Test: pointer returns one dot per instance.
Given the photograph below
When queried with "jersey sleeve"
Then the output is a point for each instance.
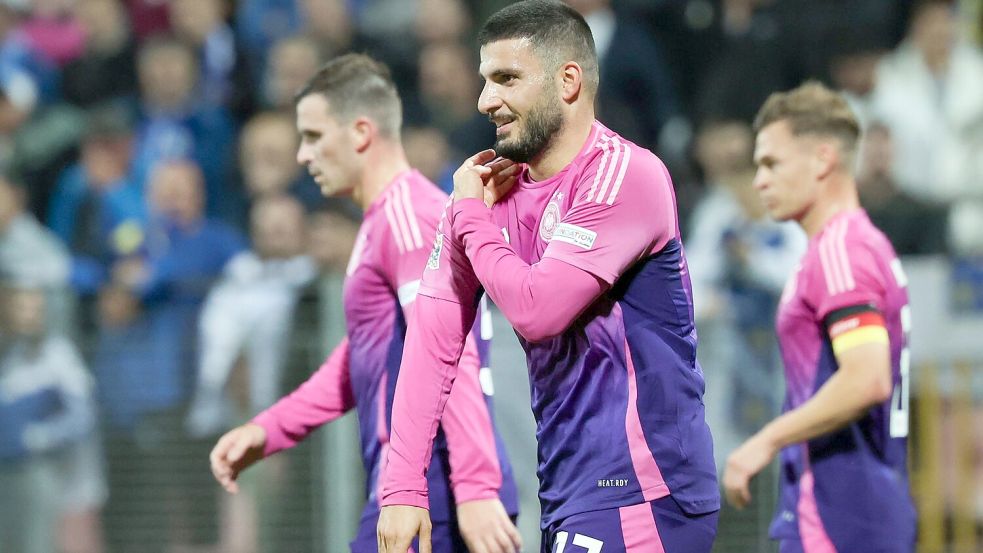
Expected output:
(527, 294)
(448, 274)
(623, 210)
(324, 397)
(442, 316)
(475, 470)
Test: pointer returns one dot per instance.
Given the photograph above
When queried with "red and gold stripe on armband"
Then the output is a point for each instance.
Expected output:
(866, 327)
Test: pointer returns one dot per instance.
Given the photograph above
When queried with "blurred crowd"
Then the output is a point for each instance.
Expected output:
(158, 241)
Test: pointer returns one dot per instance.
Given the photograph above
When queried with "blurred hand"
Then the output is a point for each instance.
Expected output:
(487, 528)
(399, 524)
(117, 306)
(483, 177)
(236, 451)
(745, 462)
(131, 272)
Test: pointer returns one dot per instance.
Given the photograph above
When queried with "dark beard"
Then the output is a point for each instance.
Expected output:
(544, 121)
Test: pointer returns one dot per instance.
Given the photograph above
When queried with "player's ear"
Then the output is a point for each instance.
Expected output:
(827, 157)
(571, 81)
(363, 131)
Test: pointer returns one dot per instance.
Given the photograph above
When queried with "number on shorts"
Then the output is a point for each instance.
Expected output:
(592, 545)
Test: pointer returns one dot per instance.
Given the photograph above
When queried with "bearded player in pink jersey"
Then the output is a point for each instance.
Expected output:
(349, 117)
(581, 252)
(842, 324)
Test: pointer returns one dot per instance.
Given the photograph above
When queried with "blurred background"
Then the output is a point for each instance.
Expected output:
(168, 270)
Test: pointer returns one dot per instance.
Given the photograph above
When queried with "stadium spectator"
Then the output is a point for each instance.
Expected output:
(448, 86)
(268, 167)
(28, 251)
(248, 313)
(329, 24)
(914, 227)
(292, 60)
(331, 232)
(927, 94)
(53, 29)
(636, 100)
(176, 124)
(224, 80)
(46, 405)
(144, 364)
(106, 70)
(97, 209)
(428, 149)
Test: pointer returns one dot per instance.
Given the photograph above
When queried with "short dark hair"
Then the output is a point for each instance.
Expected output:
(356, 85)
(558, 34)
(813, 109)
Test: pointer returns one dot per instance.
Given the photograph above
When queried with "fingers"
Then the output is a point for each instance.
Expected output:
(506, 537)
(737, 490)
(482, 157)
(502, 173)
(424, 543)
(398, 525)
(513, 535)
(739, 497)
(487, 528)
(238, 449)
(221, 468)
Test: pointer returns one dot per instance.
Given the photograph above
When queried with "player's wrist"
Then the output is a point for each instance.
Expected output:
(406, 499)
(770, 437)
(466, 493)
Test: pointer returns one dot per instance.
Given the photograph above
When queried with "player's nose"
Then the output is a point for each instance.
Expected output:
(760, 181)
(489, 101)
(303, 155)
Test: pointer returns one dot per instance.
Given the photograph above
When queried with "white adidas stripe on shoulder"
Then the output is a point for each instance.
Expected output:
(834, 259)
(410, 213)
(393, 226)
(402, 219)
(605, 148)
(611, 171)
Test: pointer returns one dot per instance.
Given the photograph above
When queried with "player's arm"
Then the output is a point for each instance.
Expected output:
(324, 397)
(442, 316)
(861, 381)
(602, 235)
(475, 473)
(539, 300)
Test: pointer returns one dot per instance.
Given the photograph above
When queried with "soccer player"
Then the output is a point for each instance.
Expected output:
(349, 118)
(843, 327)
(583, 256)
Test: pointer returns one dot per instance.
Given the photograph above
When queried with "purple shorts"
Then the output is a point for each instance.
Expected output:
(659, 526)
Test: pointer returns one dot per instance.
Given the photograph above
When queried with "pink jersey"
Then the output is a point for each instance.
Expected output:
(380, 287)
(589, 268)
(846, 491)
